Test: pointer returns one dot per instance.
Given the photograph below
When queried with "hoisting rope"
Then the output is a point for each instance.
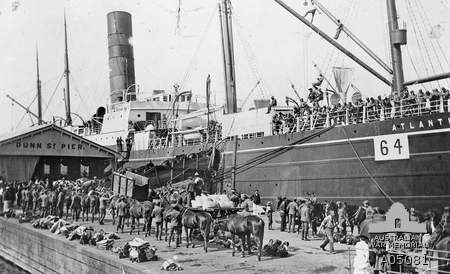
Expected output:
(386, 196)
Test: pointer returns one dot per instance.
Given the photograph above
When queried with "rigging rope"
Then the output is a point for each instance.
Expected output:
(25, 114)
(53, 94)
(427, 21)
(366, 169)
(251, 58)
(421, 37)
(414, 66)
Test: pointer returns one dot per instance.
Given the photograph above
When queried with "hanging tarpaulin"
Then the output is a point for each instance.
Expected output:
(342, 77)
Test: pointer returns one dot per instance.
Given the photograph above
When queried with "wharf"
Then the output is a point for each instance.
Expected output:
(39, 251)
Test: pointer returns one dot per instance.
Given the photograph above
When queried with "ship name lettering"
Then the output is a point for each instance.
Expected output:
(421, 124)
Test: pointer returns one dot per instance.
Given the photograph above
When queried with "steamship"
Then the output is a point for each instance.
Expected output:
(399, 154)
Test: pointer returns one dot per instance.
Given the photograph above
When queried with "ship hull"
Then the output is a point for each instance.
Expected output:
(340, 164)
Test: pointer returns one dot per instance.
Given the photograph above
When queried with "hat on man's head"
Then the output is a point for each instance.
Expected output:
(196, 174)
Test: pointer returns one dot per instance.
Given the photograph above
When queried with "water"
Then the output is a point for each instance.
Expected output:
(10, 268)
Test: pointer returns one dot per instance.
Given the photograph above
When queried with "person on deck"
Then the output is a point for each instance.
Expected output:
(273, 103)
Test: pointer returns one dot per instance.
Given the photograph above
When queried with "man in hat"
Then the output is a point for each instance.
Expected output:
(369, 210)
(157, 215)
(328, 224)
(121, 210)
(283, 209)
(305, 218)
(60, 202)
(269, 214)
(292, 210)
(45, 202)
(273, 103)
(413, 215)
(102, 207)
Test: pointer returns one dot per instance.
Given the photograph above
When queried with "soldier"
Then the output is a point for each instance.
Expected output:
(305, 218)
(269, 213)
(102, 207)
(157, 215)
(328, 225)
(35, 199)
(76, 205)
(121, 210)
(44, 198)
(68, 203)
(292, 209)
(60, 203)
(283, 207)
(199, 184)
(256, 198)
(24, 196)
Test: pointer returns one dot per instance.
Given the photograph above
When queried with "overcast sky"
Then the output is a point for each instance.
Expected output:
(269, 44)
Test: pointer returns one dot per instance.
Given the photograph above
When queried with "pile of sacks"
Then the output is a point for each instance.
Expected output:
(137, 250)
(212, 201)
(276, 249)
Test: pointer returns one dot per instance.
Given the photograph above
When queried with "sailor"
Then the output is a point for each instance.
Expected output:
(273, 103)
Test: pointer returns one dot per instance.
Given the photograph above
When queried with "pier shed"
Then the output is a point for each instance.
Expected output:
(49, 151)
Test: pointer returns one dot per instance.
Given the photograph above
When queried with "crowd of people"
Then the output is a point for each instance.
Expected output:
(409, 104)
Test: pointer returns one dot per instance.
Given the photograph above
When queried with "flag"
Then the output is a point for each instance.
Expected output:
(342, 77)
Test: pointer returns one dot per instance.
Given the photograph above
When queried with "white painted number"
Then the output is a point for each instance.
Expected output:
(391, 147)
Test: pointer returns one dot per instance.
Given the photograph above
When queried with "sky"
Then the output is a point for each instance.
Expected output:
(270, 45)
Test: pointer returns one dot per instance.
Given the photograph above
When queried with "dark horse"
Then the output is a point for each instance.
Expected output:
(244, 226)
(136, 212)
(148, 209)
(196, 220)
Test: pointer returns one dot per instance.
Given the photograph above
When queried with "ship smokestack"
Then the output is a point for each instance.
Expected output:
(121, 57)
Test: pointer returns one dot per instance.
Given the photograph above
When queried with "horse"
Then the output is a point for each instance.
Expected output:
(148, 209)
(136, 210)
(244, 226)
(85, 206)
(94, 203)
(200, 220)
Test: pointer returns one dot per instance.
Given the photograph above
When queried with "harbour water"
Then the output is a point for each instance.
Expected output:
(10, 268)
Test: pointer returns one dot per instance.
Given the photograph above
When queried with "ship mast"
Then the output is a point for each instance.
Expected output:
(397, 38)
(228, 56)
(66, 74)
(39, 94)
